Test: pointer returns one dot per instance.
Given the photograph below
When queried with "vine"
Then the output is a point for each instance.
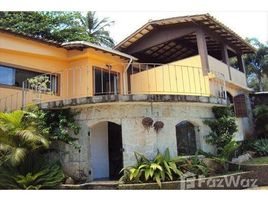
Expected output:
(56, 125)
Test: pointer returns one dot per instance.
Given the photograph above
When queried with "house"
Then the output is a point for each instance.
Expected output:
(169, 73)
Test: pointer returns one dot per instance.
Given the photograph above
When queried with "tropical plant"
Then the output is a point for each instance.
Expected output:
(257, 64)
(60, 26)
(194, 165)
(260, 146)
(225, 155)
(222, 128)
(18, 137)
(261, 120)
(161, 168)
(38, 174)
(97, 29)
(57, 125)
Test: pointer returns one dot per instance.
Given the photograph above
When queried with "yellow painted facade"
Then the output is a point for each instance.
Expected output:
(76, 78)
(74, 67)
(184, 77)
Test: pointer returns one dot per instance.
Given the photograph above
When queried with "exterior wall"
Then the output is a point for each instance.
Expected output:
(245, 124)
(19, 44)
(75, 68)
(180, 77)
(237, 77)
(11, 98)
(134, 136)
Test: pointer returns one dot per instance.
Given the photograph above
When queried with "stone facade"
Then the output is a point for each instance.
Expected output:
(134, 136)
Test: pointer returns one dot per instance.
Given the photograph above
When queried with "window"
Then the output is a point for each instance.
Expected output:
(7, 75)
(14, 77)
(105, 81)
(186, 141)
(240, 106)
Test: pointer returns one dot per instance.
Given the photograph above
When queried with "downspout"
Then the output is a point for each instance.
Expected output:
(125, 76)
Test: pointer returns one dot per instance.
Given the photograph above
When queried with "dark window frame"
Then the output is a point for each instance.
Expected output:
(117, 74)
(20, 85)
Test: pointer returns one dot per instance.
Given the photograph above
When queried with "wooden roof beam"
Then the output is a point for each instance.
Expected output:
(162, 35)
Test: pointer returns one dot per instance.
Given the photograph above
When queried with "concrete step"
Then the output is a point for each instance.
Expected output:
(94, 185)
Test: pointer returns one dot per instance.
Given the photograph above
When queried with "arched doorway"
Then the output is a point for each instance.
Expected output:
(186, 138)
(106, 155)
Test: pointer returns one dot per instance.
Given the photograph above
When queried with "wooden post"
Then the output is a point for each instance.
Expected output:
(225, 58)
(241, 63)
(202, 50)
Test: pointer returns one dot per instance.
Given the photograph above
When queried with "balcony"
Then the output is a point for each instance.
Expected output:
(182, 78)
(237, 77)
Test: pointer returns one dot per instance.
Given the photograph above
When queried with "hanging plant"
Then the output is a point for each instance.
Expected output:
(158, 125)
(147, 122)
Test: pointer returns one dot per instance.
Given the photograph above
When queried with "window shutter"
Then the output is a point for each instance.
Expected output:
(240, 106)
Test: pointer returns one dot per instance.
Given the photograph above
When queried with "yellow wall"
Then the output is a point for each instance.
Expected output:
(74, 67)
(218, 66)
(183, 77)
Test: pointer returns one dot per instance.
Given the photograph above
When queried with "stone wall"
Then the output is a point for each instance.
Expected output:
(134, 136)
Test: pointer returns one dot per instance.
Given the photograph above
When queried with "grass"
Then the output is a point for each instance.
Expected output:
(260, 160)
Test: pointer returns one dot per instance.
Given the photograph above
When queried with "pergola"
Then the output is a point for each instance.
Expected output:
(167, 40)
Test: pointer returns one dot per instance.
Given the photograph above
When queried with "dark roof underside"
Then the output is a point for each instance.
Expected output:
(185, 46)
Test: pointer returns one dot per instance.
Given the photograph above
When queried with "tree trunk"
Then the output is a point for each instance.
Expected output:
(260, 84)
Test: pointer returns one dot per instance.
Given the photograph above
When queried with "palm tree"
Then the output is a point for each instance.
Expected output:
(96, 29)
(18, 137)
(257, 64)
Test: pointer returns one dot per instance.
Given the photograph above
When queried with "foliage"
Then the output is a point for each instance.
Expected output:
(257, 64)
(59, 26)
(24, 138)
(225, 155)
(38, 174)
(97, 29)
(39, 83)
(261, 120)
(260, 160)
(260, 146)
(161, 168)
(18, 137)
(57, 125)
(222, 128)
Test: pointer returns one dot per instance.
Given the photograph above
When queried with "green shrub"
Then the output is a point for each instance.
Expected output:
(222, 128)
(40, 174)
(55, 124)
(225, 155)
(223, 111)
(260, 146)
(24, 138)
(162, 168)
(261, 121)
(18, 137)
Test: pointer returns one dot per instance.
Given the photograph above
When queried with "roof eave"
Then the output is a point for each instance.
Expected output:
(90, 45)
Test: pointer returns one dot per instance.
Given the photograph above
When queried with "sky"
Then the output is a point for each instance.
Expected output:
(245, 23)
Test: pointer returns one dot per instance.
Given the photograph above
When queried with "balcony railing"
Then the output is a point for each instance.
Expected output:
(237, 77)
(138, 78)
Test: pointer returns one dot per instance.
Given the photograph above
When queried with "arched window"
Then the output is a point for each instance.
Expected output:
(186, 139)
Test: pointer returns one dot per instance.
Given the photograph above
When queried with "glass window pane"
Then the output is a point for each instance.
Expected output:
(7, 75)
(22, 75)
(98, 81)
